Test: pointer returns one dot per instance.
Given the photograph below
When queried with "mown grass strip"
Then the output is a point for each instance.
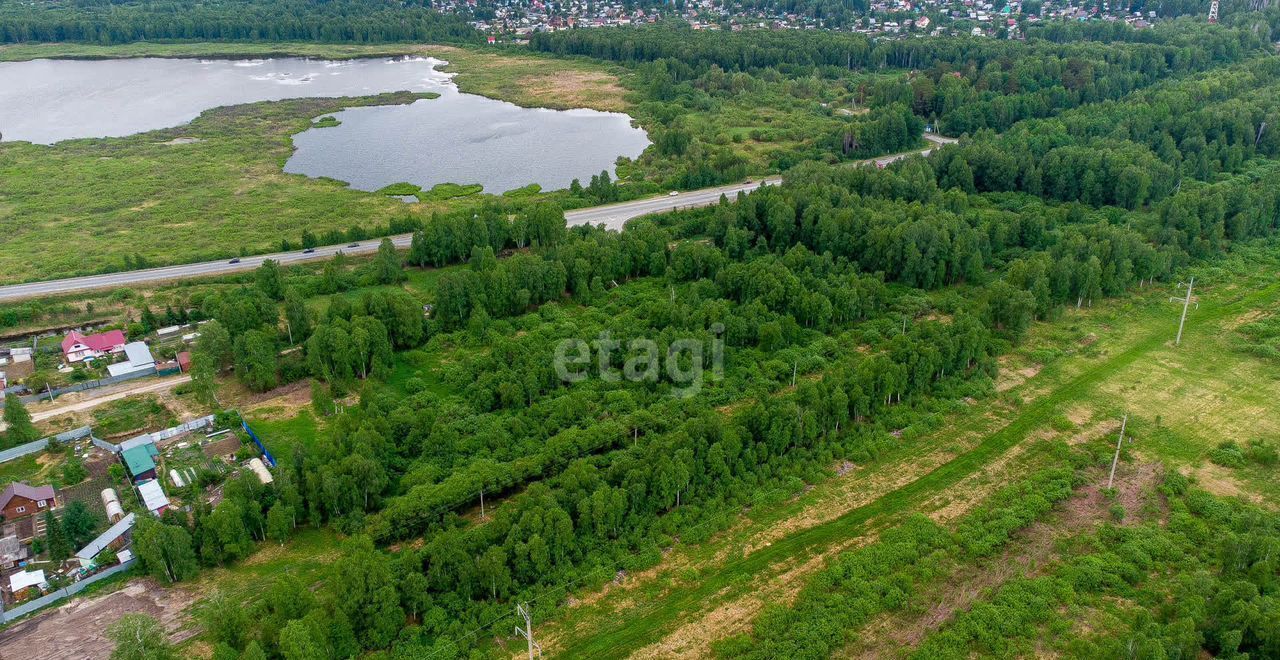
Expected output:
(639, 626)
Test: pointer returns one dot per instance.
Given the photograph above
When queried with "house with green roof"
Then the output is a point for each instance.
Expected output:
(140, 461)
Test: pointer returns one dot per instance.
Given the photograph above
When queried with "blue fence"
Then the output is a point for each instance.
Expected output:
(271, 460)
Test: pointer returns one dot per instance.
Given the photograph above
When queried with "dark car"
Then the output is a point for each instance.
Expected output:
(354, 245)
(234, 261)
(308, 250)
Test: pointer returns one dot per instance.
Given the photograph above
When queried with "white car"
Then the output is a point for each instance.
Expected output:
(673, 193)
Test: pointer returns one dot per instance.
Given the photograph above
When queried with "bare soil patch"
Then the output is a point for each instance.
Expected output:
(1009, 377)
(78, 628)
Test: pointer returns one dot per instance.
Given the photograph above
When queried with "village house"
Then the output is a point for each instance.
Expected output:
(19, 500)
(140, 461)
(77, 347)
(137, 358)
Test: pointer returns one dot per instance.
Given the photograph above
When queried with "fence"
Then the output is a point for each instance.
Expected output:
(271, 460)
(148, 438)
(35, 446)
(55, 596)
(86, 385)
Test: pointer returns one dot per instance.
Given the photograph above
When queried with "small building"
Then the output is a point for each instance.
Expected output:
(260, 469)
(112, 538)
(77, 347)
(137, 358)
(19, 500)
(140, 461)
(184, 361)
(111, 503)
(153, 497)
(24, 580)
(12, 552)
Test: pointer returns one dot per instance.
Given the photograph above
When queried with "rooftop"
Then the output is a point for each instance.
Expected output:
(153, 495)
(20, 489)
(102, 341)
(138, 459)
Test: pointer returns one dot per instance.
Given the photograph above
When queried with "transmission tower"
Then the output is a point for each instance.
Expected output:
(526, 632)
(1213, 11)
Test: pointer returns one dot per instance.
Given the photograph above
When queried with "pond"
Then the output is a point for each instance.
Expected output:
(456, 138)
(466, 139)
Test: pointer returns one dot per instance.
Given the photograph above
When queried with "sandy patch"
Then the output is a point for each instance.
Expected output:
(1008, 377)
(693, 639)
(1222, 482)
(77, 628)
(1245, 319)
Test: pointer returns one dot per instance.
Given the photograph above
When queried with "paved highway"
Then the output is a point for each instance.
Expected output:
(612, 216)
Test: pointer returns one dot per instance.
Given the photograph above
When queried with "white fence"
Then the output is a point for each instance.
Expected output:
(55, 596)
(35, 446)
(148, 438)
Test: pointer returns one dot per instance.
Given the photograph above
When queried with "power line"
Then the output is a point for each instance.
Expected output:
(1186, 302)
(526, 632)
(569, 585)
(1115, 460)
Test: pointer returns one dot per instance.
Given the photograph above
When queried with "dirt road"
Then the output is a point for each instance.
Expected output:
(113, 394)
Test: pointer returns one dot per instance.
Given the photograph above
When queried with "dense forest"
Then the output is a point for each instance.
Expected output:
(802, 325)
(848, 302)
(103, 22)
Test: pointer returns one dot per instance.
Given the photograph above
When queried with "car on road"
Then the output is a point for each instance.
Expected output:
(673, 193)
(353, 245)
(308, 250)
(234, 261)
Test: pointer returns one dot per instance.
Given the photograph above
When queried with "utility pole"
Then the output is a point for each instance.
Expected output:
(1186, 302)
(522, 610)
(1115, 460)
(482, 504)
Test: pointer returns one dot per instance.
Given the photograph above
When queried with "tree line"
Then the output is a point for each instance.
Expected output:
(104, 22)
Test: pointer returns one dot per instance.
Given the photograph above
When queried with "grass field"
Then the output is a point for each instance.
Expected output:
(1072, 379)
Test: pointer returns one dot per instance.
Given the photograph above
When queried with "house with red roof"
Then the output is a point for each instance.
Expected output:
(77, 347)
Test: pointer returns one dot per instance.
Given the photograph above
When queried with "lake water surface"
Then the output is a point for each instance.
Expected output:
(464, 138)
(457, 138)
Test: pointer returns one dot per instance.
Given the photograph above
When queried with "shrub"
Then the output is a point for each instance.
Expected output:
(1228, 454)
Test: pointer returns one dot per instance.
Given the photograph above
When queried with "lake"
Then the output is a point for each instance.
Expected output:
(457, 138)
(464, 138)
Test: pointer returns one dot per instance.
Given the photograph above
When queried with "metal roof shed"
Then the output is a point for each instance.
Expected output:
(153, 496)
(99, 544)
(20, 581)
